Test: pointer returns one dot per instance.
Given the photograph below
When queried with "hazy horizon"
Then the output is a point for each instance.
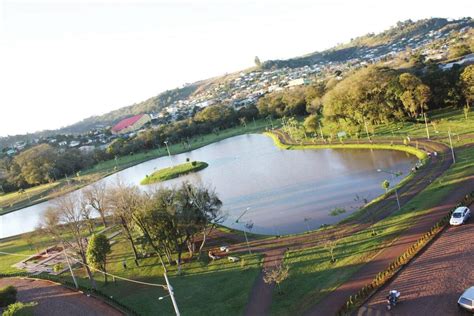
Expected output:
(63, 61)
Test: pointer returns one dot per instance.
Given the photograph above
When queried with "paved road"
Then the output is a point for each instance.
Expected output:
(432, 283)
(56, 300)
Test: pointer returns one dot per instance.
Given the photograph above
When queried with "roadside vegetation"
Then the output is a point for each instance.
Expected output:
(174, 172)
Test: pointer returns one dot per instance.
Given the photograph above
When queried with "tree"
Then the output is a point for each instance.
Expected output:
(330, 245)
(423, 95)
(467, 84)
(36, 165)
(66, 223)
(385, 185)
(257, 61)
(7, 296)
(276, 275)
(210, 206)
(97, 251)
(466, 110)
(123, 202)
(311, 123)
(96, 196)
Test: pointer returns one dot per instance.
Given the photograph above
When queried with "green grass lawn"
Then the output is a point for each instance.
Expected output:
(9, 200)
(205, 287)
(311, 273)
(174, 172)
(439, 123)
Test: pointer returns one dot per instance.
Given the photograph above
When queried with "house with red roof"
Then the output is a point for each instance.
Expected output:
(131, 124)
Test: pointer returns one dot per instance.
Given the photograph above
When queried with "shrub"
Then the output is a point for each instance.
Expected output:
(7, 296)
(19, 309)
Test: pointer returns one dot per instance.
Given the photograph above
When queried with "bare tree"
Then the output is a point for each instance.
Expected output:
(276, 275)
(123, 202)
(96, 196)
(330, 245)
(65, 221)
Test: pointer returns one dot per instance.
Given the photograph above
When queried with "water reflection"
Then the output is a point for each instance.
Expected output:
(281, 187)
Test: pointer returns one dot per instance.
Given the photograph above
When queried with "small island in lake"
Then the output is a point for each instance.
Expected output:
(174, 172)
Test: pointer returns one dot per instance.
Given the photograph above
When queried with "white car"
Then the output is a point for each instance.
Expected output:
(460, 216)
(466, 300)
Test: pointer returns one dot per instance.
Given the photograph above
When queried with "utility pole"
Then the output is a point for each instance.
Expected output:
(426, 126)
(451, 144)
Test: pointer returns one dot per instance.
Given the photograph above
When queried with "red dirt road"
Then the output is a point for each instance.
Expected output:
(432, 283)
(56, 300)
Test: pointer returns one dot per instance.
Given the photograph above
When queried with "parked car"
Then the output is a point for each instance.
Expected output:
(466, 300)
(460, 216)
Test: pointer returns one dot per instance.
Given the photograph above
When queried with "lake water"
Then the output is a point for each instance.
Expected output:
(281, 188)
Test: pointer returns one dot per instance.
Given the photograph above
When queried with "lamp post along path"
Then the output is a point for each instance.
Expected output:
(393, 174)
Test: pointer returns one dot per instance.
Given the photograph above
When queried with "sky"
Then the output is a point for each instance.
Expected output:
(62, 61)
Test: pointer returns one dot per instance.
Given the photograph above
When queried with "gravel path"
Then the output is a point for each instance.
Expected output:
(56, 300)
(432, 283)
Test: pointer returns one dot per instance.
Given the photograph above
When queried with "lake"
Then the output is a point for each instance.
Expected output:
(285, 191)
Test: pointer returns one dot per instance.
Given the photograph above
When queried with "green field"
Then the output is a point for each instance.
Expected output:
(174, 172)
(204, 287)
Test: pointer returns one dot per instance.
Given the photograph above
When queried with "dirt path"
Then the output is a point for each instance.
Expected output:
(274, 249)
(56, 300)
(432, 283)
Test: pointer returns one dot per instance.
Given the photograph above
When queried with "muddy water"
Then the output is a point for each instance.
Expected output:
(280, 188)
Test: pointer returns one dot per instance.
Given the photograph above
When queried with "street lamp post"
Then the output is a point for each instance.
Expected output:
(167, 148)
(169, 288)
(306, 220)
(394, 174)
(248, 225)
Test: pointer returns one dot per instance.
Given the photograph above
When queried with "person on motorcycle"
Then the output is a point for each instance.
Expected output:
(393, 296)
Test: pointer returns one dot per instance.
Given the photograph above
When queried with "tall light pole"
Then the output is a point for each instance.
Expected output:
(306, 220)
(426, 126)
(451, 144)
(394, 174)
(167, 148)
(169, 288)
(248, 225)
